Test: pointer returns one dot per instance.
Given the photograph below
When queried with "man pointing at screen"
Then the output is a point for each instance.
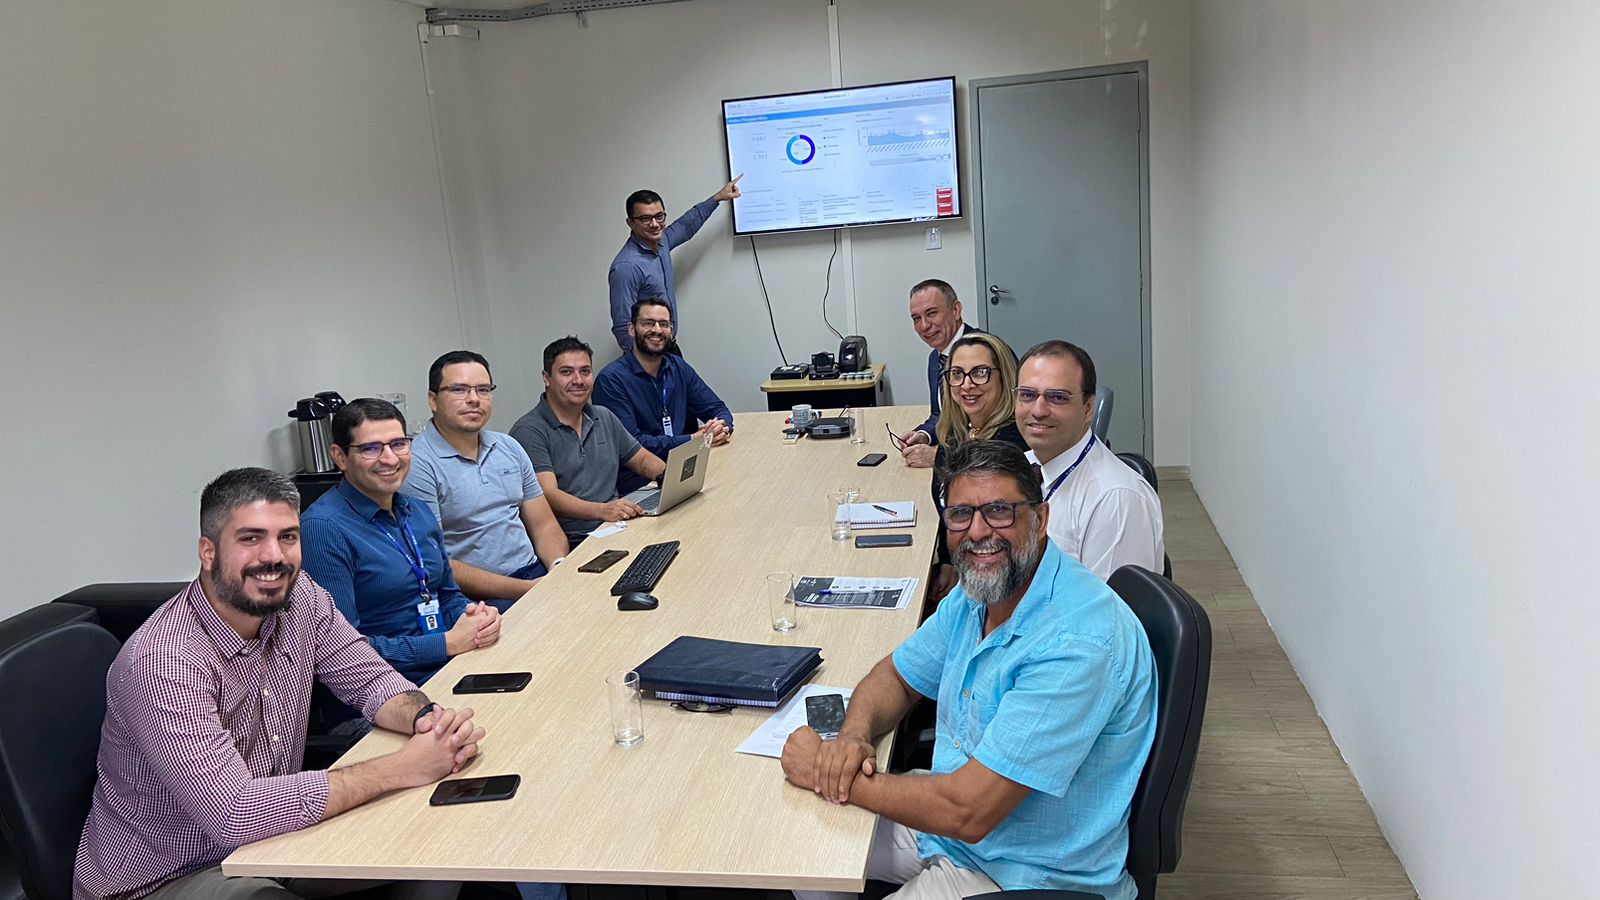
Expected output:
(643, 267)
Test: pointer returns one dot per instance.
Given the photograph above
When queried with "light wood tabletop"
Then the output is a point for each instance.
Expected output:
(681, 807)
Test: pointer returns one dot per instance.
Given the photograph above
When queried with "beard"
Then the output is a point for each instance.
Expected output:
(232, 591)
(644, 349)
(992, 587)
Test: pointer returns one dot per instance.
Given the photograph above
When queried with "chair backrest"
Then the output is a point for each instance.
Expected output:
(123, 606)
(1180, 639)
(1105, 400)
(1141, 465)
(54, 682)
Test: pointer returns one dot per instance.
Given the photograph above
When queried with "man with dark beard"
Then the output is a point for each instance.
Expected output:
(660, 399)
(206, 716)
(1047, 702)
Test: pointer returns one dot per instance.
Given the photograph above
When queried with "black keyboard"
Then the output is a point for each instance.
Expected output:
(646, 568)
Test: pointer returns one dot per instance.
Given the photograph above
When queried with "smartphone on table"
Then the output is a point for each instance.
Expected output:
(475, 790)
(825, 714)
(883, 540)
(603, 562)
(493, 683)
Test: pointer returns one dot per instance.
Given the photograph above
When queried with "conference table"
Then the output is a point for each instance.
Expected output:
(680, 807)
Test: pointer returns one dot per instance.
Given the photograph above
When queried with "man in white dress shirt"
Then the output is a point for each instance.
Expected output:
(1102, 513)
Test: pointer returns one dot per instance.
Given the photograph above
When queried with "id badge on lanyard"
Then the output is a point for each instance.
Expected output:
(666, 417)
(428, 614)
(428, 618)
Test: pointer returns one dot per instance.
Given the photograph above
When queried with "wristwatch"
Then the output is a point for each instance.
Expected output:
(430, 707)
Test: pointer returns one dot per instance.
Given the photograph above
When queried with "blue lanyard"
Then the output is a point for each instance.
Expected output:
(418, 570)
(666, 417)
(1062, 478)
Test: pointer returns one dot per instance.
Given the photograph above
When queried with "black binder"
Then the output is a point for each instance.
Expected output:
(697, 668)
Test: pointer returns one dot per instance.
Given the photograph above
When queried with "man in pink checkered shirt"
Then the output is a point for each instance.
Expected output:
(206, 713)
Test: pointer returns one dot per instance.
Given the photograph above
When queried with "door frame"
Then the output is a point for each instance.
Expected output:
(1141, 68)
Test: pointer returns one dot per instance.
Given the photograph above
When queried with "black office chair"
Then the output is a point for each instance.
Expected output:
(45, 785)
(1142, 466)
(1105, 400)
(123, 606)
(13, 631)
(1180, 640)
(1148, 473)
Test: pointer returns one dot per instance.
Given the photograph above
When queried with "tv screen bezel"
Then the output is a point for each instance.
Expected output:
(955, 118)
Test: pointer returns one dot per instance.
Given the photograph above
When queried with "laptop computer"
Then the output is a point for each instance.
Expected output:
(685, 475)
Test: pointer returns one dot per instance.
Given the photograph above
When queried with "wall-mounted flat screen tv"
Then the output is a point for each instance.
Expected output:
(843, 157)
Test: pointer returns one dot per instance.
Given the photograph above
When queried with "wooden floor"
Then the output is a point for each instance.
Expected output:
(1273, 812)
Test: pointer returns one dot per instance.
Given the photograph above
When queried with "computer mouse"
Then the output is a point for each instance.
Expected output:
(637, 600)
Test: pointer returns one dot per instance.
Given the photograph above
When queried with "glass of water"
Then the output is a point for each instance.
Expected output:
(780, 601)
(627, 708)
(858, 426)
(839, 513)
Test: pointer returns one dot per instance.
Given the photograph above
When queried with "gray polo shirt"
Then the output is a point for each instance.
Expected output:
(586, 468)
(478, 502)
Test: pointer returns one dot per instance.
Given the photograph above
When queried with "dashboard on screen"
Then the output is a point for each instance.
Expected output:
(846, 156)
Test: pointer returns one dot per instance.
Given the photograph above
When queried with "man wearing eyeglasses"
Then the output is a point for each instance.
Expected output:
(1102, 513)
(381, 554)
(498, 526)
(643, 267)
(1047, 704)
(660, 399)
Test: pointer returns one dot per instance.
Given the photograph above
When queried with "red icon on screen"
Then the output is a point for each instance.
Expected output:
(945, 201)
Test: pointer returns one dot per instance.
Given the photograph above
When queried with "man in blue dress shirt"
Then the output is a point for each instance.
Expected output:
(381, 554)
(643, 267)
(660, 399)
(936, 316)
(1047, 709)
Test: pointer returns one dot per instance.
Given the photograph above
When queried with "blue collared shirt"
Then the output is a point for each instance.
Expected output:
(1061, 698)
(625, 388)
(346, 548)
(478, 502)
(638, 271)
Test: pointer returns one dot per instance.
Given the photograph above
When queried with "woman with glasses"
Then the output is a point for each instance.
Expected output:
(975, 404)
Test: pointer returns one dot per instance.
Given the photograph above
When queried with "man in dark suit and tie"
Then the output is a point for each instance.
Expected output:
(936, 315)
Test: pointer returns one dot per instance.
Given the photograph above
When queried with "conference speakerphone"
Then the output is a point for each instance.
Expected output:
(830, 428)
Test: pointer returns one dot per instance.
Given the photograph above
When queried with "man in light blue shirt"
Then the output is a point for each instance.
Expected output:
(1047, 706)
(643, 267)
(499, 530)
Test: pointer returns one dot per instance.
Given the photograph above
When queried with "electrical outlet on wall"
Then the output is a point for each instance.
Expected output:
(934, 240)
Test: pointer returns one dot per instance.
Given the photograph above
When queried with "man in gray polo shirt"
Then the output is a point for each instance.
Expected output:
(577, 447)
(499, 530)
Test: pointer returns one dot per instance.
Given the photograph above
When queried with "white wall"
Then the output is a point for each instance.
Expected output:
(577, 117)
(1395, 210)
(207, 210)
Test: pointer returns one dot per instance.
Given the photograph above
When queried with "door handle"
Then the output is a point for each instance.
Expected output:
(995, 291)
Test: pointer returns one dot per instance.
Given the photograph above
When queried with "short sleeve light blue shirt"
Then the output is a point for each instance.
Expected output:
(478, 502)
(1061, 698)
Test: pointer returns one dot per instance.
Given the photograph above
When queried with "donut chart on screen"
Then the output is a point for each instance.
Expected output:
(805, 154)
